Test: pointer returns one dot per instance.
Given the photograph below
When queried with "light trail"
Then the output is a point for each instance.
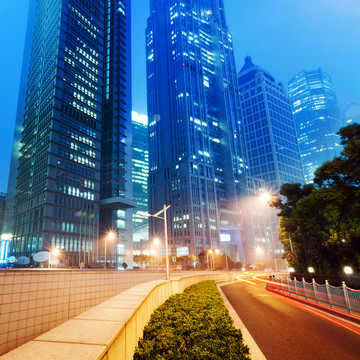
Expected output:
(247, 281)
(332, 318)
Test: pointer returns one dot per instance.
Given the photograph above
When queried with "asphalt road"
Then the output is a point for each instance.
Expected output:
(285, 330)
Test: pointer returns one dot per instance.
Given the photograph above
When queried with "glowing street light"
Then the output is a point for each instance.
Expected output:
(218, 251)
(110, 236)
(348, 270)
(142, 213)
(53, 254)
(266, 197)
(258, 251)
(311, 270)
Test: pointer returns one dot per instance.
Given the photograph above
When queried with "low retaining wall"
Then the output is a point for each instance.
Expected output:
(34, 301)
(111, 329)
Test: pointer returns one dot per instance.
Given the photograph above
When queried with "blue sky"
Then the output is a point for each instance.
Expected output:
(282, 36)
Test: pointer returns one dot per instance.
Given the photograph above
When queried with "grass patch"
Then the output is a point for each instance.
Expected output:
(192, 325)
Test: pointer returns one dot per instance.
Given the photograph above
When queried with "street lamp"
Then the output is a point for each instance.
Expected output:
(348, 270)
(53, 253)
(266, 197)
(218, 251)
(142, 213)
(258, 252)
(211, 255)
(111, 236)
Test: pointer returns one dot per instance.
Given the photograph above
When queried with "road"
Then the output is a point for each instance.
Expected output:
(287, 330)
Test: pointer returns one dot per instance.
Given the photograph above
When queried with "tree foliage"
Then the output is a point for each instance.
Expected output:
(320, 224)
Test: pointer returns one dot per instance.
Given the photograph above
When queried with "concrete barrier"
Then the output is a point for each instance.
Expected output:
(33, 301)
(111, 329)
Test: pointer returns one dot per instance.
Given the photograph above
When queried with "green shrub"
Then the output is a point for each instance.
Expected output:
(192, 325)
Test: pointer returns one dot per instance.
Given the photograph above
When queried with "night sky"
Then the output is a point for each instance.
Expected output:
(282, 36)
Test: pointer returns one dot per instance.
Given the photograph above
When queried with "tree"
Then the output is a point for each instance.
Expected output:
(320, 224)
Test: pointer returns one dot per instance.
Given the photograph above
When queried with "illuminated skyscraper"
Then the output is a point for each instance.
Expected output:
(317, 119)
(140, 166)
(271, 145)
(271, 142)
(74, 164)
(197, 162)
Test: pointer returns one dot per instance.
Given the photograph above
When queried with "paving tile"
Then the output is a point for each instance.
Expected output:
(106, 314)
(83, 332)
(120, 304)
(40, 350)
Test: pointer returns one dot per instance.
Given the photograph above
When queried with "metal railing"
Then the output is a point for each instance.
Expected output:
(341, 298)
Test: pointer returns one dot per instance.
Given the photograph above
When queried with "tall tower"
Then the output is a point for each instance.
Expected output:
(272, 150)
(317, 118)
(196, 156)
(271, 142)
(140, 166)
(73, 173)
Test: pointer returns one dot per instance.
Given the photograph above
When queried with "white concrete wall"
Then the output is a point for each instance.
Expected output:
(35, 301)
(111, 329)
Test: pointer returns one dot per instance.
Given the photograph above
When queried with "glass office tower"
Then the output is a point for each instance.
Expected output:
(317, 118)
(272, 150)
(140, 175)
(73, 173)
(140, 166)
(196, 155)
(271, 142)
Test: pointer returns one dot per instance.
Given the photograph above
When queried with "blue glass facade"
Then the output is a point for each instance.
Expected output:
(317, 118)
(271, 142)
(140, 167)
(72, 169)
(196, 155)
(272, 152)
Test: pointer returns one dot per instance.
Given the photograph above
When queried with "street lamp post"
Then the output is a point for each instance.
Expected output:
(211, 256)
(218, 251)
(111, 236)
(53, 253)
(141, 213)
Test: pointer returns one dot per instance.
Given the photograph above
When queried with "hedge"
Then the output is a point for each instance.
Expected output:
(192, 325)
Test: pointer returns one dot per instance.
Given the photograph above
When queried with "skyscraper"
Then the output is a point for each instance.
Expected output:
(196, 156)
(272, 151)
(271, 142)
(140, 174)
(74, 168)
(317, 119)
